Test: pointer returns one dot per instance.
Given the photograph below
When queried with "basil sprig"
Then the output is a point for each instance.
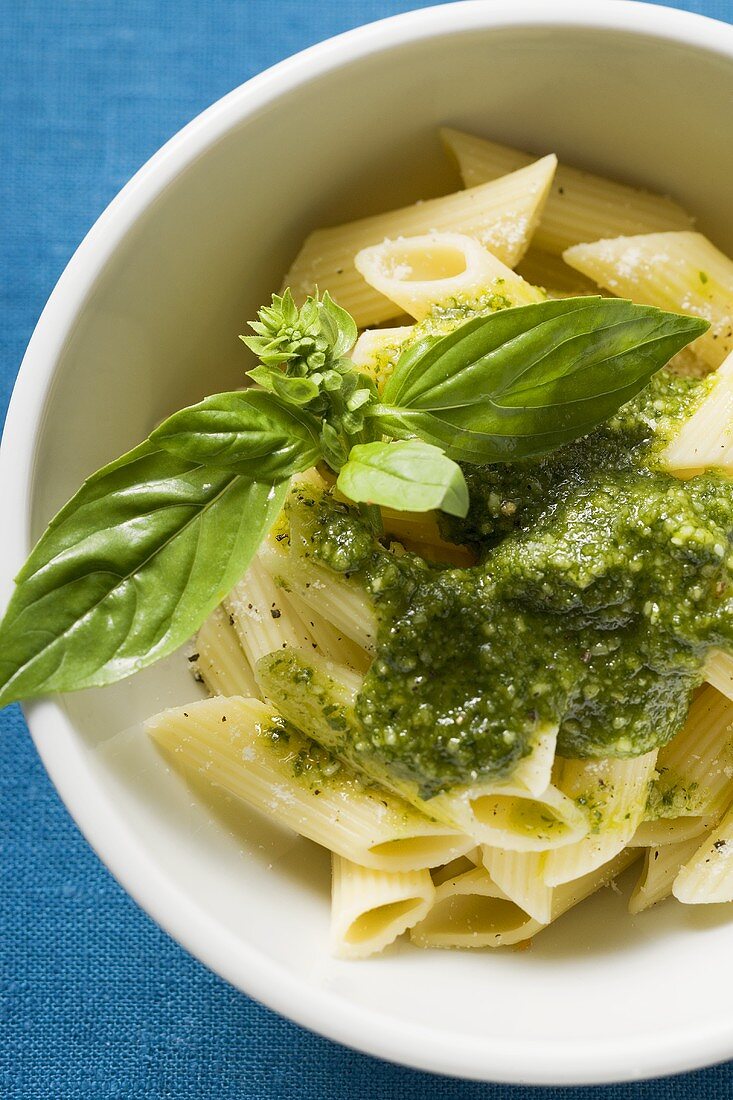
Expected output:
(150, 544)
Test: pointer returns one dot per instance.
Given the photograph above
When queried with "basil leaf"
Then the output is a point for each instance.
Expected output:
(410, 476)
(337, 326)
(524, 381)
(249, 431)
(293, 390)
(128, 570)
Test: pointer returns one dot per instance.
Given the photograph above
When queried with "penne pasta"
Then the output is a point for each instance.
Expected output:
(472, 911)
(614, 792)
(343, 605)
(263, 617)
(377, 350)
(580, 206)
(660, 868)
(418, 273)
(243, 746)
(675, 271)
(671, 830)
(520, 876)
(705, 440)
(219, 661)
(500, 215)
(707, 877)
(719, 672)
(695, 770)
(370, 909)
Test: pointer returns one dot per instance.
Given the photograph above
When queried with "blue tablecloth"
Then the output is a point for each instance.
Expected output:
(97, 1002)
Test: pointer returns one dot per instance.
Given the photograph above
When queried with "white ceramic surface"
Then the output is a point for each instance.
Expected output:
(146, 318)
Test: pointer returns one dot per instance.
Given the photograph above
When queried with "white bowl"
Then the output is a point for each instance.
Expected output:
(146, 318)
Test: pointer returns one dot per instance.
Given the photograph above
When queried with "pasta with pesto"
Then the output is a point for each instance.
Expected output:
(488, 707)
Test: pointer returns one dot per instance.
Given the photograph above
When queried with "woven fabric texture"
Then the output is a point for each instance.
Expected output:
(96, 1003)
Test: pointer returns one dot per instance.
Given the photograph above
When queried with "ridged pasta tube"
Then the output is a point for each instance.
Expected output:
(675, 271)
(694, 781)
(417, 273)
(377, 350)
(705, 440)
(580, 207)
(520, 875)
(614, 792)
(719, 671)
(242, 746)
(471, 910)
(370, 909)
(660, 868)
(500, 215)
(219, 659)
(708, 875)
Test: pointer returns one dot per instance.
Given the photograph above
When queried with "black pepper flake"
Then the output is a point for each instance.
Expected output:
(231, 620)
(656, 856)
(194, 657)
(275, 612)
(279, 538)
(185, 714)
(223, 717)
(719, 844)
(561, 190)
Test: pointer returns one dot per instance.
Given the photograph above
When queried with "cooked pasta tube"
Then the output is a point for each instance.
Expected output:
(676, 271)
(705, 439)
(695, 770)
(671, 830)
(262, 615)
(471, 910)
(327, 639)
(659, 870)
(707, 876)
(370, 909)
(514, 814)
(500, 215)
(343, 605)
(377, 350)
(243, 746)
(219, 660)
(520, 875)
(417, 273)
(615, 794)
(580, 206)
(719, 672)
(419, 532)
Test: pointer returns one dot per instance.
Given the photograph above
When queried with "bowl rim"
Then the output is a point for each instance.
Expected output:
(103, 826)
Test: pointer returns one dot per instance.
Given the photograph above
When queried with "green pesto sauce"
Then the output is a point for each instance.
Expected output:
(602, 583)
(313, 766)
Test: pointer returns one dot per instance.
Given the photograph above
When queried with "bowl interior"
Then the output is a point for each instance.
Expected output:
(600, 995)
